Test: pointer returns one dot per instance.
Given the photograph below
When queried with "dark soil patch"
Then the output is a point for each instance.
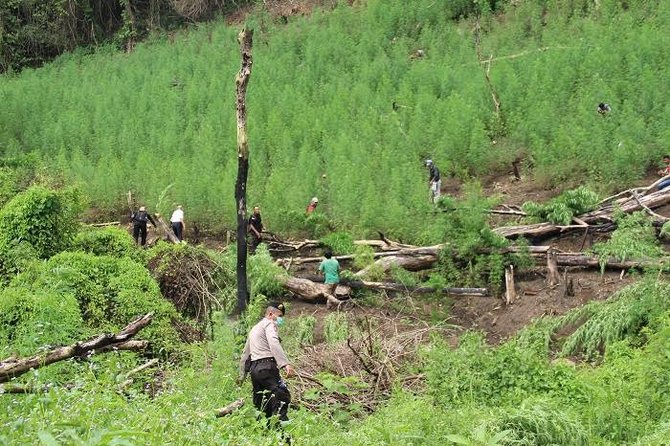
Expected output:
(535, 299)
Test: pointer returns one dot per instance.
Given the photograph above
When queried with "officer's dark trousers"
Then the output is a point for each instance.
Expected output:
(270, 397)
(254, 242)
(140, 230)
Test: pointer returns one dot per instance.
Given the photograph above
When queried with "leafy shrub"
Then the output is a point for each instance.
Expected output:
(475, 373)
(44, 218)
(264, 274)
(562, 209)
(305, 329)
(111, 292)
(339, 242)
(634, 238)
(30, 320)
(364, 256)
(114, 242)
(15, 256)
(472, 256)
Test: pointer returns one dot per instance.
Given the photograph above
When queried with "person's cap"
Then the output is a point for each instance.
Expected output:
(142, 208)
(180, 207)
(429, 162)
(278, 306)
(315, 200)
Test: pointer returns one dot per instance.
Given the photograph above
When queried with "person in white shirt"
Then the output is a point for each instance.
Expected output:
(177, 221)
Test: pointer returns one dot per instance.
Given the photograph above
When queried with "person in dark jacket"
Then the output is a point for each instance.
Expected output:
(255, 229)
(139, 220)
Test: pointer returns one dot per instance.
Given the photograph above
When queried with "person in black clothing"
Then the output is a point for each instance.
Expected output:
(603, 108)
(256, 229)
(139, 220)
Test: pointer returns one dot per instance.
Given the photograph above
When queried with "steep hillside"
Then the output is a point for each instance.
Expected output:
(346, 105)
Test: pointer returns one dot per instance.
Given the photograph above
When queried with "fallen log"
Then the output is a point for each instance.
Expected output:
(312, 291)
(102, 225)
(132, 345)
(230, 408)
(605, 213)
(579, 259)
(392, 286)
(165, 230)
(13, 367)
(399, 287)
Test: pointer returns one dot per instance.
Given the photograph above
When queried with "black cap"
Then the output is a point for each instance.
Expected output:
(279, 306)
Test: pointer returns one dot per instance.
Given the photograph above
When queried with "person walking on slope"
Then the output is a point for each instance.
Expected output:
(178, 225)
(263, 357)
(255, 227)
(664, 172)
(330, 268)
(434, 181)
(312, 205)
(139, 220)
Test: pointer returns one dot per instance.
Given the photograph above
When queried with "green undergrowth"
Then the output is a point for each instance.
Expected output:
(474, 255)
(36, 224)
(562, 209)
(634, 239)
(516, 393)
(109, 293)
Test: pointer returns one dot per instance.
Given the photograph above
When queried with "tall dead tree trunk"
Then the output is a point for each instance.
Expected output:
(241, 82)
(486, 66)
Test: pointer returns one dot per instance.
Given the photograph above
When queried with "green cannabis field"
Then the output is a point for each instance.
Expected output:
(160, 120)
(344, 104)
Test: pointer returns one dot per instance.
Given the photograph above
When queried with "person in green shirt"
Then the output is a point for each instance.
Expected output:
(330, 267)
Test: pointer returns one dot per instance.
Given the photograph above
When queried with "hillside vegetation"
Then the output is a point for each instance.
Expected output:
(321, 103)
(343, 106)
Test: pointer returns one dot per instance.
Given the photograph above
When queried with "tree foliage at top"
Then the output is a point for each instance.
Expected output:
(34, 32)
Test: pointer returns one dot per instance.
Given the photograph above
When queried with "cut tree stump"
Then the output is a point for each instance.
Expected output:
(553, 277)
(510, 290)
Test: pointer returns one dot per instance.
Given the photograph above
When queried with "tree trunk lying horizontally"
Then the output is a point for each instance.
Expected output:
(400, 287)
(312, 291)
(627, 204)
(13, 367)
(230, 408)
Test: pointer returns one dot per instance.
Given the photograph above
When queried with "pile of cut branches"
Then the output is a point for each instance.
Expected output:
(189, 277)
(358, 374)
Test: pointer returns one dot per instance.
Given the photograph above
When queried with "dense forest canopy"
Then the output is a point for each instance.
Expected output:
(34, 32)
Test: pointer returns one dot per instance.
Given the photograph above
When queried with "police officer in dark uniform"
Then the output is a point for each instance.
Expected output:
(263, 358)
(139, 220)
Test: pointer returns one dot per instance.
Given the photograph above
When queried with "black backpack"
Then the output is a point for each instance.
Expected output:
(141, 217)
